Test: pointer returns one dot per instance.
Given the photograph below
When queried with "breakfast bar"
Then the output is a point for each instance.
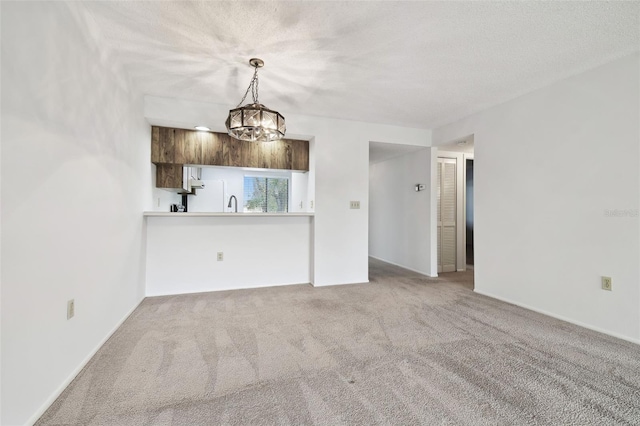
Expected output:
(199, 252)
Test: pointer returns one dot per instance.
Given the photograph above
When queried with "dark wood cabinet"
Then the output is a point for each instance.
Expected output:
(281, 155)
(300, 155)
(232, 152)
(163, 145)
(188, 147)
(212, 144)
(169, 176)
(177, 147)
(155, 145)
(253, 156)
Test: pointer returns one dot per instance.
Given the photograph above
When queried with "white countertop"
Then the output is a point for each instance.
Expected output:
(211, 214)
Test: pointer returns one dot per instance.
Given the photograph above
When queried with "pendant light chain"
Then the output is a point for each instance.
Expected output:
(253, 86)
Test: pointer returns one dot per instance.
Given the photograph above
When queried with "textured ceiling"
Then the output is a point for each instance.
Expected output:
(417, 64)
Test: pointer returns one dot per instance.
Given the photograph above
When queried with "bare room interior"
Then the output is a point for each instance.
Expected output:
(319, 213)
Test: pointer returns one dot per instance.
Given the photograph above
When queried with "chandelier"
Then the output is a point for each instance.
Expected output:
(255, 122)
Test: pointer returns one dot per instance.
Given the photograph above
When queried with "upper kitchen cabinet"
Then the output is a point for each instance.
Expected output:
(256, 155)
(285, 154)
(163, 145)
(232, 152)
(299, 155)
(212, 144)
(169, 176)
(181, 146)
(199, 148)
(281, 155)
(188, 147)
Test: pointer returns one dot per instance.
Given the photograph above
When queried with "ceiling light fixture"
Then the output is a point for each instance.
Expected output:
(255, 122)
(202, 128)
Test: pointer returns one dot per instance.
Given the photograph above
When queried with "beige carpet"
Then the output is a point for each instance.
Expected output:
(404, 349)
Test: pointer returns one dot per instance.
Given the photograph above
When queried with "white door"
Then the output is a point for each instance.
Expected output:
(446, 215)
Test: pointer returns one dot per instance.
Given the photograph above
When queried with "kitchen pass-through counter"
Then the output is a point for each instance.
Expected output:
(226, 214)
(197, 251)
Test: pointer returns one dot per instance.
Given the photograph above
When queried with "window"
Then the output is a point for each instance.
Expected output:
(266, 194)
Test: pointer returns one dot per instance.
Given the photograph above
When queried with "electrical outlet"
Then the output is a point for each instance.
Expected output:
(220, 256)
(311, 203)
(606, 283)
(71, 309)
(300, 205)
(354, 204)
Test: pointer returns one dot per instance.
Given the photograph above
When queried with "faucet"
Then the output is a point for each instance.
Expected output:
(233, 197)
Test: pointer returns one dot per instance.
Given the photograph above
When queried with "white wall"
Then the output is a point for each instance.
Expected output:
(339, 169)
(299, 199)
(75, 179)
(548, 166)
(400, 217)
(258, 252)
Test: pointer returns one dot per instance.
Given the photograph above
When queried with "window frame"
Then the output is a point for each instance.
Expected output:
(285, 175)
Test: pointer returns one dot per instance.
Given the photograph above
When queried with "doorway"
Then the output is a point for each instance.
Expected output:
(469, 210)
(461, 193)
(447, 212)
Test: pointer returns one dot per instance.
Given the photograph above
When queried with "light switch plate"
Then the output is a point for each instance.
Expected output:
(606, 283)
(355, 204)
(71, 308)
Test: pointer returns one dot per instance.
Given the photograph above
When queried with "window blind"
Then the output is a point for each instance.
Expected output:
(266, 194)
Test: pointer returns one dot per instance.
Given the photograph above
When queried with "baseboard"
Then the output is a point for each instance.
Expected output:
(246, 287)
(404, 267)
(34, 418)
(560, 317)
(346, 283)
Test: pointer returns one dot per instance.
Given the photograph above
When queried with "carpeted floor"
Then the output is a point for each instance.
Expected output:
(404, 349)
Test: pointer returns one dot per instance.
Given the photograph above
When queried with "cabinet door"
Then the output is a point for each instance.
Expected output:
(165, 145)
(300, 155)
(162, 145)
(212, 148)
(168, 176)
(188, 146)
(155, 144)
(232, 152)
(281, 155)
(257, 154)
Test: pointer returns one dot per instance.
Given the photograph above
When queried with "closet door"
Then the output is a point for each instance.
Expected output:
(446, 215)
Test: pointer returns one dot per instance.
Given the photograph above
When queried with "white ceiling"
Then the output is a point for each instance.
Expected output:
(417, 64)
